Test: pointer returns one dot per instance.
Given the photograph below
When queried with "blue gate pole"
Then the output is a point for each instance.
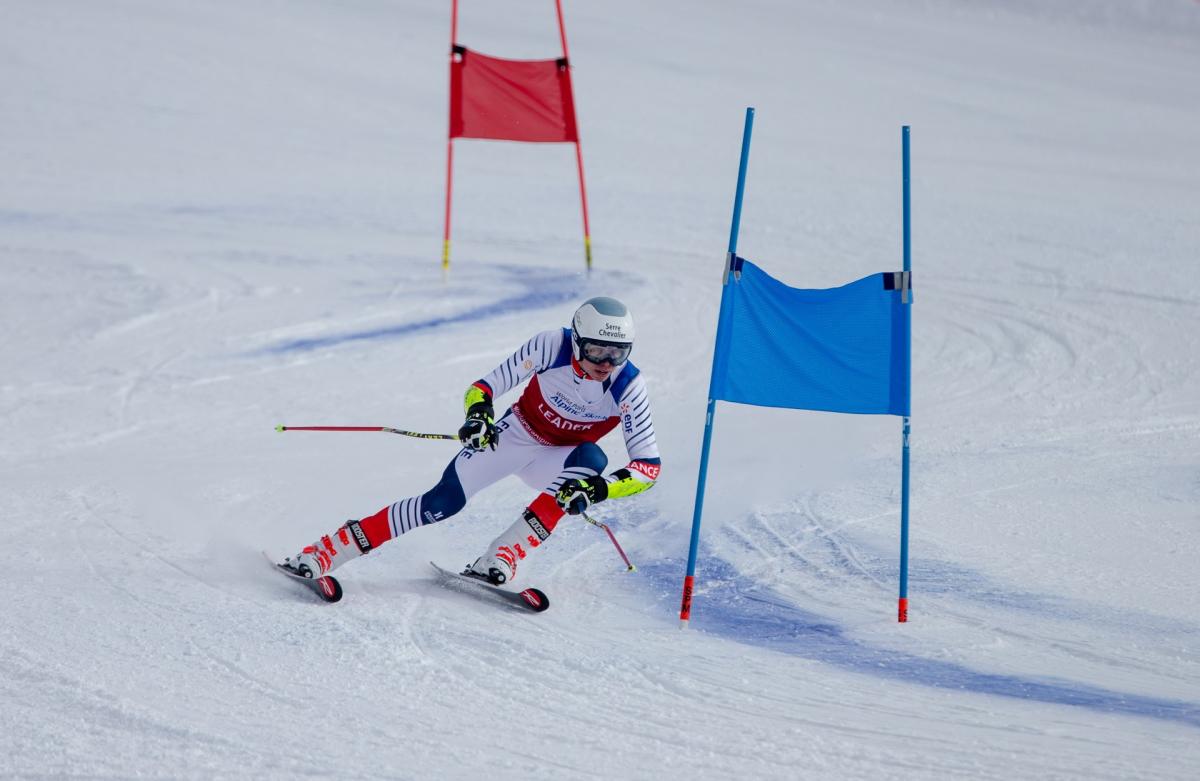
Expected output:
(685, 610)
(904, 473)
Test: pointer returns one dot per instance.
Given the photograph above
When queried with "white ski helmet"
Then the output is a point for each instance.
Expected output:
(602, 331)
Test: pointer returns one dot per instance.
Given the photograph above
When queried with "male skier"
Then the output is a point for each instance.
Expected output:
(583, 386)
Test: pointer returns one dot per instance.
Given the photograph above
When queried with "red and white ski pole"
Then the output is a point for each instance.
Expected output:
(417, 434)
(616, 544)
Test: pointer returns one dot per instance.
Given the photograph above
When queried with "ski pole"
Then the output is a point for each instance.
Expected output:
(417, 434)
(603, 526)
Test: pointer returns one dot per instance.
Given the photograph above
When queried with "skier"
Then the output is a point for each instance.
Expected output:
(583, 386)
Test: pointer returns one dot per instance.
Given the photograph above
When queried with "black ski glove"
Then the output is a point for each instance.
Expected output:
(576, 496)
(479, 431)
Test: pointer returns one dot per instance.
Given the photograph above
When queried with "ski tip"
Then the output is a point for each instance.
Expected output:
(329, 589)
(281, 427)
(536, 599)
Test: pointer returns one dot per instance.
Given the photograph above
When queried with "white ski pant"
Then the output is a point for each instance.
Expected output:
(542, 467)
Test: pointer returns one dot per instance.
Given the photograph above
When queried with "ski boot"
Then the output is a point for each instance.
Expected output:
(328, 553)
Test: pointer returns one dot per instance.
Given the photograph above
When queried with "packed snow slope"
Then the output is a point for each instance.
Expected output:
(218, 217)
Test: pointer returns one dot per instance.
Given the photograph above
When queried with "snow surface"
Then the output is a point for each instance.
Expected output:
(216, 217)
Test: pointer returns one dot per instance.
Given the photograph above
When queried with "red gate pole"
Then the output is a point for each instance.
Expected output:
(587, 233)
(449, 143)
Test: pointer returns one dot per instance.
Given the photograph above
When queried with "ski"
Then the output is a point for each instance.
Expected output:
(327, 588)
(468, 582)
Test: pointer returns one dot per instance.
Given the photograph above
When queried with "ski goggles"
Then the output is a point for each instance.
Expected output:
(604, 352)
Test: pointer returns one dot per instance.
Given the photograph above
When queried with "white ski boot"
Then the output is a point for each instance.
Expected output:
(499, 564)
(328, 553)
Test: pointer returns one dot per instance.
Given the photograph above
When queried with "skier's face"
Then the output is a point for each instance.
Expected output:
(596, 371)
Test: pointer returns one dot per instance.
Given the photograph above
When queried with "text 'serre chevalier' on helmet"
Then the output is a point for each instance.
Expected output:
(602, 331)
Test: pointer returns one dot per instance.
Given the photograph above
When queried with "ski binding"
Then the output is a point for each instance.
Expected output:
(327, 588)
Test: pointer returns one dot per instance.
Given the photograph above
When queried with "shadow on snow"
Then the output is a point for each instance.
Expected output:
(734, 607)
(541, 288)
